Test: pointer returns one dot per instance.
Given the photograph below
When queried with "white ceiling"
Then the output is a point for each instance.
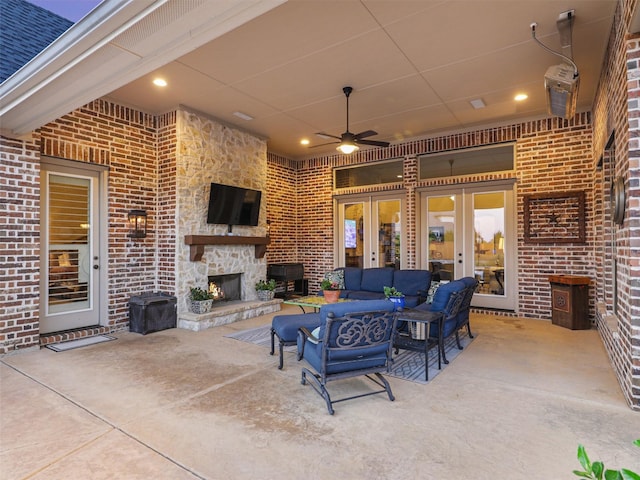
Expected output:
(414, 65)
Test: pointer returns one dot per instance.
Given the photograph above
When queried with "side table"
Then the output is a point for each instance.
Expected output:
(406, 342)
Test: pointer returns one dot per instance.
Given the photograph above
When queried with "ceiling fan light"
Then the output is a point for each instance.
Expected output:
(347, 148)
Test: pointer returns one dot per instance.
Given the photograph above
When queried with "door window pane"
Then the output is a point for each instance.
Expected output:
(489, 247)
(389, 234)
(441, 223)
(68, 234)
(353, 235)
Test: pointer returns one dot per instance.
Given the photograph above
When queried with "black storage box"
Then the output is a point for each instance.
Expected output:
(152, 311)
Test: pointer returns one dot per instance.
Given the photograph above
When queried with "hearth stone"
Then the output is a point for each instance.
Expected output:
(226, 313)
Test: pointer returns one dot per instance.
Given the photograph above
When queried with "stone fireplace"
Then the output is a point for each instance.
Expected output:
(209, 151)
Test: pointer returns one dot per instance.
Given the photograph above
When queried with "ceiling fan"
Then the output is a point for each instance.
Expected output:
(348, 141)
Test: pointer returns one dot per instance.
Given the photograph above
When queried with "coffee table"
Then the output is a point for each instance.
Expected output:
(312, 301)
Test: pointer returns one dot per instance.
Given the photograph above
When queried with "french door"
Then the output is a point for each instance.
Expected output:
(370, 231)
(471, 231)
(71, 252)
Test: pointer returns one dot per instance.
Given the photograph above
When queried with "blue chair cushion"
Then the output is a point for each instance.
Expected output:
(375, 279)
(412, 282)
(312, 354)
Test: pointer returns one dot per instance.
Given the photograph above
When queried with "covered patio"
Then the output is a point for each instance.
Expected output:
(181, 404)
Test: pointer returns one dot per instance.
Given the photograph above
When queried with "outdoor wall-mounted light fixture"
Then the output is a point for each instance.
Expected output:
(137, 223)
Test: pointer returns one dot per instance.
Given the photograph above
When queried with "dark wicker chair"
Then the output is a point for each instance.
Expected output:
(349, 346)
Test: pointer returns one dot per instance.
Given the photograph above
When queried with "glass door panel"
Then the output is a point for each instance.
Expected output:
(68, 235)
(441, 236)
(353, 234)
(389, 233)
(489, 248)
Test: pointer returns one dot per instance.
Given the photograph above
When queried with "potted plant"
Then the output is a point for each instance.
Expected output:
(330, 290)
(266, 289)
(200, 300)
(395, 296)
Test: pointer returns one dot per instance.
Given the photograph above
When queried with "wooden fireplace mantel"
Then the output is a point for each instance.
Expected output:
(197, 243)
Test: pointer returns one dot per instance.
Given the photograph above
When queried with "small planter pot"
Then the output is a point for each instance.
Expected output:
(398, 301)
(331, 296)
(265, 295)
(200, 306)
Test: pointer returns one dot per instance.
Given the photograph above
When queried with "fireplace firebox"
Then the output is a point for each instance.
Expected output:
(226, 287)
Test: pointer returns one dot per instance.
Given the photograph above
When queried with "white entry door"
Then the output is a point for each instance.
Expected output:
(471, 231)
(370, 232)
(70, 255)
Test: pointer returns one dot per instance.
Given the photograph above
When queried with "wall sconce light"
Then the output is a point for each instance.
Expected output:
(137, 223)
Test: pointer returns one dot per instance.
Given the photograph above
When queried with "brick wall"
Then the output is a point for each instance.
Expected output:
(166, 203)
(617, 110)
(19, 244)
(282, 210)
(553, 155)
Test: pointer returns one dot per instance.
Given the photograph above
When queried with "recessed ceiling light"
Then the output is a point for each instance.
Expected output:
(520, 97)
(243, 116)
(159, 82)
(477, 103)
(304, 141)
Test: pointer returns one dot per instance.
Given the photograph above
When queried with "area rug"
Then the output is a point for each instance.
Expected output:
(81, 342)
(407, 365)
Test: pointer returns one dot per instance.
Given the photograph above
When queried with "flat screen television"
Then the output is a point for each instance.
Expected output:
(229, 205)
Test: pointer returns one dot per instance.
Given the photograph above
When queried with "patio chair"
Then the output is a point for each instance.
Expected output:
(448, 300)
(471, 284)
(353, 345)
(285, 327)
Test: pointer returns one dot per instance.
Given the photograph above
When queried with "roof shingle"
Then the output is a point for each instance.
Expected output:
(25, 30)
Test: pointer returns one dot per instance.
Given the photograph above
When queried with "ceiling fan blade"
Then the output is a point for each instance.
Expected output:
(323, 144)
(366, 133)
(373, 142)
(327, 135)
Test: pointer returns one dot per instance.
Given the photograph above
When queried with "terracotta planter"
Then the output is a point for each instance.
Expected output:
(331, 296)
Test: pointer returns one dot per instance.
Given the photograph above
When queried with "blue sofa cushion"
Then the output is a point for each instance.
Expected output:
(352, 278)
(364, 295)
(412, 282)
(375, 279)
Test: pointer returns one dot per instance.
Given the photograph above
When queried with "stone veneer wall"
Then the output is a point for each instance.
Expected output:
(210, 151)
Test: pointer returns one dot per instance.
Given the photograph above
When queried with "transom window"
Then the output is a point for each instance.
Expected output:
(369, 174)
(466, 162)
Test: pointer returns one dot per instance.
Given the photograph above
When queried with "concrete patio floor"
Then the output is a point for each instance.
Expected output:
(178, 404)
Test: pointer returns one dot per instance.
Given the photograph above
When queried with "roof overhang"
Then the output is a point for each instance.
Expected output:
(119, 41)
